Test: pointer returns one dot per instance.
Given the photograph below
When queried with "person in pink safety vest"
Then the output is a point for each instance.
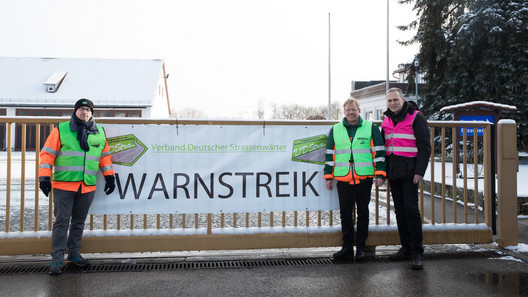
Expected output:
(407, 145)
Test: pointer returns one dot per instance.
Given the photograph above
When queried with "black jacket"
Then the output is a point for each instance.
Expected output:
(404, 167)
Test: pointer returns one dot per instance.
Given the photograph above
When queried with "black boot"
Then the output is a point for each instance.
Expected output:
(402, 254)
(360, 254)
(417, 261)
(345, 254)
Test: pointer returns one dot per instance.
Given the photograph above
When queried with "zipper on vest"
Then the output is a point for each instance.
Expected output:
(353, 172)
(352, 164)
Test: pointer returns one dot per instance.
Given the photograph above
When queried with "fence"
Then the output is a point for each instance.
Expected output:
(463, 216)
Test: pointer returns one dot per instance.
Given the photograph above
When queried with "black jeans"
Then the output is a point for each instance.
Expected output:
(405, 197)
(349, 196)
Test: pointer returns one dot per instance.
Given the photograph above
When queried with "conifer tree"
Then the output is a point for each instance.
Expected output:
(473, 50)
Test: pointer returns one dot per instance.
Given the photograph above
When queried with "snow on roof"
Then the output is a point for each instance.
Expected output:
(467, 105)
(507, 121)
(107, 82)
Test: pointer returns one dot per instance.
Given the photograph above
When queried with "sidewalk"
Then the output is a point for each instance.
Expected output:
(449, 270)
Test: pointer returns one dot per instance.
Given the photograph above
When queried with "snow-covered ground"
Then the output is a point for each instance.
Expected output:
(521, 248)
(522, 175)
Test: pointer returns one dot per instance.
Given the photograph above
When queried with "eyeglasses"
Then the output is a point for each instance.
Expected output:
(85, 109)
(351, 110)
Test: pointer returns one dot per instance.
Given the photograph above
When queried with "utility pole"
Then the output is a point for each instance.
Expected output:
(329, 75)
(416, 64)
(387, 80)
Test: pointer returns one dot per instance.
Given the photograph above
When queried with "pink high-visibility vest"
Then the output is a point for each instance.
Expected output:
(400, 139)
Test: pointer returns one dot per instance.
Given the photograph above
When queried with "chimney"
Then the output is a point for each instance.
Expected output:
(54, 81)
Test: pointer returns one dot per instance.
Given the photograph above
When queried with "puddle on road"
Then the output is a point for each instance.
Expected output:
(509, 283)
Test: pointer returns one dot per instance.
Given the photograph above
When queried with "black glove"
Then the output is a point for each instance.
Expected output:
(45, 185)
(110, 184)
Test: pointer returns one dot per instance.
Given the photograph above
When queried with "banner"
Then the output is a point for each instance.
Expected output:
(170, 169)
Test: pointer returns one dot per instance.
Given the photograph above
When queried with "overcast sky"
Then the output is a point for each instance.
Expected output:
(224, 57)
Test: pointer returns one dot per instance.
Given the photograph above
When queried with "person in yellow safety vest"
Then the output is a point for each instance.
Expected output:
(355, 156)
(74, 151)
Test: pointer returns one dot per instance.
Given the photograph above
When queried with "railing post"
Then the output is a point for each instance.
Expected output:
(507, 168)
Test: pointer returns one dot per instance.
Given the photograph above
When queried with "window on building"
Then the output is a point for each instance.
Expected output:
(134, 113)
(378, 114)
(103, 113)
(370, 115)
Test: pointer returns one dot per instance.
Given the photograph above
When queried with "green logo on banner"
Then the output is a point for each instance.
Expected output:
(310, 150)
(126, 149)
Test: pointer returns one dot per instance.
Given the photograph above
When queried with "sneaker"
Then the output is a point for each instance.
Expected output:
(417, 263)
(79, 261)
(345, 254)
(402, 254)
(55, 268)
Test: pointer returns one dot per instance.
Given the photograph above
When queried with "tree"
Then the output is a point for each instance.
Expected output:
(260, 110)
(299, 112)
(336, 111)
(189, 113)
(472, 50)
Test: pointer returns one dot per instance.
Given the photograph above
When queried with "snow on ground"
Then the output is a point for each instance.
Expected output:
(521, 248)
(508, 258)
(522, 186)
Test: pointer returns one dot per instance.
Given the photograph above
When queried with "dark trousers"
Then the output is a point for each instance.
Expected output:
(349, 196)
(405, 197)
(70, 210)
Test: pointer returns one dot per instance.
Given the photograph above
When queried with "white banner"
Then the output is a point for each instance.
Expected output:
(169, 169)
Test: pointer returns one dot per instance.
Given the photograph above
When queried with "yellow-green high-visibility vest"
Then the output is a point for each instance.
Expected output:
(359, 148)
(75, 164)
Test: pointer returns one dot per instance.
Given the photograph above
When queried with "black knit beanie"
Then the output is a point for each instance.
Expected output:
(84, 102)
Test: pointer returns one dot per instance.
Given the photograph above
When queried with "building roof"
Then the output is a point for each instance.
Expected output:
(479, 105)
(357, 85)
(377, 89)
(107, 82)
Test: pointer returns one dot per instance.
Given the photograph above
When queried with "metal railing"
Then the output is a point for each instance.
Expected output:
(165, 232)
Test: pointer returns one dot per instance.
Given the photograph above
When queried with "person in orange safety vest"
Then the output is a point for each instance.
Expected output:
(73, 154)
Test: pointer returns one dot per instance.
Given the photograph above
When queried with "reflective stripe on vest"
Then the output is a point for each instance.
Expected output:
(400, 139)
(359, 148)
(72, 162)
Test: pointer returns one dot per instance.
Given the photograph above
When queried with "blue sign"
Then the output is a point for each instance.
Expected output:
(480, 130)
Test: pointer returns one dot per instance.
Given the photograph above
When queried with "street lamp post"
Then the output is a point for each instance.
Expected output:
(387, 78)
(329, 75)
(416, 64)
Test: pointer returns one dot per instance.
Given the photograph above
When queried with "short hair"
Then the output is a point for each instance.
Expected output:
(351, 100)
(395, 90)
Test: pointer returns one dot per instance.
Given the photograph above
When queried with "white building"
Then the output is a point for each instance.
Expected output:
(371, 94)
(51, 86)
